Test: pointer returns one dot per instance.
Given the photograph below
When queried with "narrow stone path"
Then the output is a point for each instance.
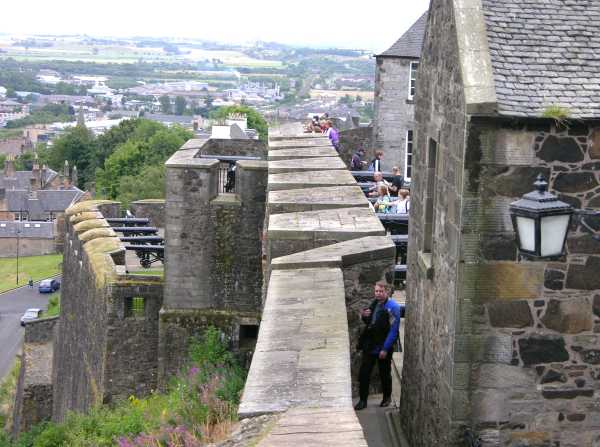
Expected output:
(374, 423)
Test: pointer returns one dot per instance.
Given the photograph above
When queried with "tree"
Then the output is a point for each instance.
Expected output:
(148, 184)
(78, 146)
(165, 104)
(255, 119)
(180, 105)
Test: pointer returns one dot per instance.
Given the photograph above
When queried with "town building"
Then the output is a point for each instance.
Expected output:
(499, 347)
(395, 86)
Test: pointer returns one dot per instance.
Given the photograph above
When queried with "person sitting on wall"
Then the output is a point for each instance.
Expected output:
(357, 163)
(397, 182)
(378, 181)
(402, 205)
(384, 203)
(375, 165)
(333, 134)
(382, 320)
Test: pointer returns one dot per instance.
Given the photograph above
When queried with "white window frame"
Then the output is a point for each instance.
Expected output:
(412, 147)
(412, 80)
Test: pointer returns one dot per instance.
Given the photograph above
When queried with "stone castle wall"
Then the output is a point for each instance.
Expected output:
(102, 351)
(27, 247)
(394, 111)
(33, 400)
(352, 140)
(325, 250)
(539, 319)
(213, 250)
(430, 389)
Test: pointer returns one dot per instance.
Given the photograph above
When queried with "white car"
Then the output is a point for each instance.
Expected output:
(30, 315)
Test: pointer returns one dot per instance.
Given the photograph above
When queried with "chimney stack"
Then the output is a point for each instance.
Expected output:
(36, 175)
(9, 166)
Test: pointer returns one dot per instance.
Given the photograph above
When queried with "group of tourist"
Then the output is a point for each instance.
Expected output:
(325, 126)
(391, 197)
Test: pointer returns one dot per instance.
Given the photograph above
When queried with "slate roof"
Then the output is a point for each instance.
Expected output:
(22, 179)
(411, 42)
(544, 53)
(48, 200)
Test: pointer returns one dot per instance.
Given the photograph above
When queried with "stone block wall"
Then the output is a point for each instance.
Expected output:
(103, 351)
(27, 246)
(432, 390)
(153, 209)
(352, 140)
(33, 400)
(394, 111)
(213, 253)
(538, 317)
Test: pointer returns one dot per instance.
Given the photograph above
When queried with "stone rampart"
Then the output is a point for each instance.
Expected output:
(106, 348)
(153, 209)
(213, 251)
(33, 400)
(352, 140)
(325, 250)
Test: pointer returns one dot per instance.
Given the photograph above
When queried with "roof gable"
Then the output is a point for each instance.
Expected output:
(411, 42)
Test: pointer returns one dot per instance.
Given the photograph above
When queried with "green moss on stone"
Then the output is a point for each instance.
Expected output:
(88, 205)
(88, 215)
(96, 233)
(90, 224)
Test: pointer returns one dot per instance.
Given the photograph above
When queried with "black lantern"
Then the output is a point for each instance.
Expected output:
(541, 222)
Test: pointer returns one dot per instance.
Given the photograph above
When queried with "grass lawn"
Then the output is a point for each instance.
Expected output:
(35, 267)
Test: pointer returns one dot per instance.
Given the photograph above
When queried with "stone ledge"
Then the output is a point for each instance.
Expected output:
(252, 165)
(343, 254)
(310, 199)
(332, 224)
(307, 164)
(226, 199)
(185, 158)
(302, 152)
(310, 179)
(302, 356)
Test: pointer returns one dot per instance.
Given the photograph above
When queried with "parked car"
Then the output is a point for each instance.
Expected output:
(30, 315)
(49, 285)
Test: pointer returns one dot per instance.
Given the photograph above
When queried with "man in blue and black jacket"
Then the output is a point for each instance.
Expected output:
(377, 341)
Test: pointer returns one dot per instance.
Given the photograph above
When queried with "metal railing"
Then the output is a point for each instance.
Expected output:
(227, 168)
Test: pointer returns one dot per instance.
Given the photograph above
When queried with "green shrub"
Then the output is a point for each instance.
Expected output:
(203, 396)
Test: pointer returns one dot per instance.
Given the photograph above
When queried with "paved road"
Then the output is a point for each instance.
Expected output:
(12, 306)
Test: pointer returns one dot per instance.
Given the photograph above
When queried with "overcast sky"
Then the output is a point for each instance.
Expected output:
(373, 25)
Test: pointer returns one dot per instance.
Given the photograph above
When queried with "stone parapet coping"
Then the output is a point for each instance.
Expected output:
(252, 165)
(300, 359)
(310, 199)
(186, 158)
(343, 254)
(194, 143)
(310, 179)
(330, 224)
(101, 244)
(302, 152)
(306, 164)
(299, 142)
(314, 427)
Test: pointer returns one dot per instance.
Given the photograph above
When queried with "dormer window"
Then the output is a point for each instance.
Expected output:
(412, 83)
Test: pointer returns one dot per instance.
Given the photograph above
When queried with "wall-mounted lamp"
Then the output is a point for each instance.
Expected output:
(541, 223)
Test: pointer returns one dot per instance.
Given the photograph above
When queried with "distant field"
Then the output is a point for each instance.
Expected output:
(365, 94)
(6, 134)
(69, 51)
(35, 267)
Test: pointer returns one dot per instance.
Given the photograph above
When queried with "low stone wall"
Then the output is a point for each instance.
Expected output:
(27, 247)
(104, 350)
(229, 147)
(153, 209)
(33, 400)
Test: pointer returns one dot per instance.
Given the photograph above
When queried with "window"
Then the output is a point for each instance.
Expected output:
(248, 335)
(409, 153)
(412, 83)
(135, 307)
(432, 155)
(37, 225)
